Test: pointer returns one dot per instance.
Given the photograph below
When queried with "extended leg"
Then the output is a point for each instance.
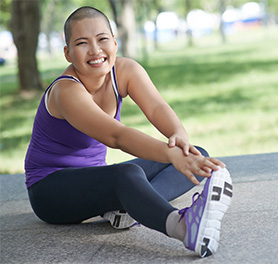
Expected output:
(73, 195)
(166, 179)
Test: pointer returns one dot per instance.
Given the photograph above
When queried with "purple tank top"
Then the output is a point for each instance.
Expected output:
(55, 144)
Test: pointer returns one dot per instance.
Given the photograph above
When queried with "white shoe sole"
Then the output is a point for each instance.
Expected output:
(119, 219)
(219, 198)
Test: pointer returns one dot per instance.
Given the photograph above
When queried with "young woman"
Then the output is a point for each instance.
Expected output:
(67, 178)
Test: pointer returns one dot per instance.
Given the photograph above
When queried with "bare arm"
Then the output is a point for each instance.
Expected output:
(143, 92)
(76, 105)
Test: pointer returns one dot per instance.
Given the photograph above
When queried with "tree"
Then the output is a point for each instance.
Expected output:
(5, 16)
(25, 26)
(126, 26)
(188, 31)
(47, 23)
(222, 9)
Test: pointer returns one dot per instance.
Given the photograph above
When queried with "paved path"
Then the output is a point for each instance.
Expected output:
(249, 229)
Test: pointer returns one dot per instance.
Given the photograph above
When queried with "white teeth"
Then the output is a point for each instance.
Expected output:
(96, 61)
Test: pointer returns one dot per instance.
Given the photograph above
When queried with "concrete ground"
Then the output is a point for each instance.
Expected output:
(249, 229)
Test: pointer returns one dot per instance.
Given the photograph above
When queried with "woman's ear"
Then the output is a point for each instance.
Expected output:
(115, 41)
(66, 53)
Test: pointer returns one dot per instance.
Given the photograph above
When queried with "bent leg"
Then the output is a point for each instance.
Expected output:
(76, 194)
(165, 179)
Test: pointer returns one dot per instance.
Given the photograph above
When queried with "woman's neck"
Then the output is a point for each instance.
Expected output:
(92, 86)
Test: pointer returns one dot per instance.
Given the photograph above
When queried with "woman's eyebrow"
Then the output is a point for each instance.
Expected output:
(102, 34)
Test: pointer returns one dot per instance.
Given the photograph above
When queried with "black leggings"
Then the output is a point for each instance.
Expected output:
(142, 188)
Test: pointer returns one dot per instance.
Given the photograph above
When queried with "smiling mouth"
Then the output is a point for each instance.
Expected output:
(97, 61)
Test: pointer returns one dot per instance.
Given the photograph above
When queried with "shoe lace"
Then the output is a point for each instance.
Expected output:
(184, 210)
(135, 224)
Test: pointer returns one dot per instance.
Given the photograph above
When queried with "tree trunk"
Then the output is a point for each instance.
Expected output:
(25, 25)
(47, 24)
(159, 9)
(222, 9)
(126, 26)
(128, 35)
(188, 31)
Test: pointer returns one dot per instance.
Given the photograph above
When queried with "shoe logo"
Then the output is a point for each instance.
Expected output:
(205, 251)
(116, 221)
(228, 190)
(217, 196)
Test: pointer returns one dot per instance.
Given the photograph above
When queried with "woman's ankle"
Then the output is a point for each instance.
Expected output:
(175, 226)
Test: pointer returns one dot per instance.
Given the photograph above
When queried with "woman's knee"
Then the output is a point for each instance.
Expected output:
(203, 151)
(130, 171)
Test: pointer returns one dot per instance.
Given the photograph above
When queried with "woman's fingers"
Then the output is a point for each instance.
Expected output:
(196, 164)
(194, 150)
(186, 149)
(217, 163)
(204, 167)
(172, 142)
(192, 177)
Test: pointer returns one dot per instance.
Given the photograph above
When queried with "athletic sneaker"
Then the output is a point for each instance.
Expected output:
(203, 217)
(120, 219)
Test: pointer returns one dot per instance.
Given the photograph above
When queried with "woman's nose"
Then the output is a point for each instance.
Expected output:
(95, 50)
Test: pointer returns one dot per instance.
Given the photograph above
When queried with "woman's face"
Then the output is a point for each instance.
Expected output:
(92, 48)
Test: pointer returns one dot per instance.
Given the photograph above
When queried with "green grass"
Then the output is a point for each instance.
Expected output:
(225, 95)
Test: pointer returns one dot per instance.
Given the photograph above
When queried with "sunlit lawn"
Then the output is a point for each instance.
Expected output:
(225, 95)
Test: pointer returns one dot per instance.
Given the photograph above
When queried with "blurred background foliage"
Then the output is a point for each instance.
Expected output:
(214, 61)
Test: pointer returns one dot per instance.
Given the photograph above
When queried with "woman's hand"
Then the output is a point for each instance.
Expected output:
(183, 143)
(194, 164)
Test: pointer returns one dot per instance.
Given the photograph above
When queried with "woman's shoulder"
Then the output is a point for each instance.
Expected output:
(125, 70)
(125, 63)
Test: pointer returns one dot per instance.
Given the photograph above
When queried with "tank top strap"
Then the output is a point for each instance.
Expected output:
(64, 77)
(114, 84)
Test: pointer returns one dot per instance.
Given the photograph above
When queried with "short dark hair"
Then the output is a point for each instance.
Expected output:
(81, 13)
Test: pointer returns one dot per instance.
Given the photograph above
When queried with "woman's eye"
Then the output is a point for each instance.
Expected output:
(80, 43)
(102, 39)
